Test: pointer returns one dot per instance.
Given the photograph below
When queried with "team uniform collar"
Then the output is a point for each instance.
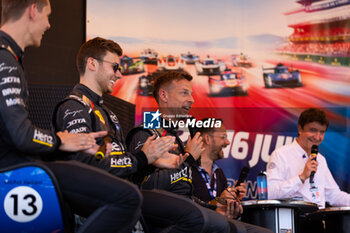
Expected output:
(14, 47)
(95, 98)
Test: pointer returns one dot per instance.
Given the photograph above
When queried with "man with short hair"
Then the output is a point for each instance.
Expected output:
(98, 66)
(24, 23)
(289, 169)
(173, 93)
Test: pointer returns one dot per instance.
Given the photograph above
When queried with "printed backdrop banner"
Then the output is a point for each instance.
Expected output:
(255, 64)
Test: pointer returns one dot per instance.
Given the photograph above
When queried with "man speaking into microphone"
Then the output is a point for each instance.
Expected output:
(294, 171)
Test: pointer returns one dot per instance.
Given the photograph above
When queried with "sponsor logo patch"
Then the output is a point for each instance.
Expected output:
(123, 162)
(11, 91)
(100, 116)
(71, 113)
(76, 121)
(3, 67)
(42, 138)
(184, 174)
(79, 130)
(14, 101)
(10, 79)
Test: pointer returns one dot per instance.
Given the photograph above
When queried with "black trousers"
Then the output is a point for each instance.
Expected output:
(167, 212)
(219, 223)
(109, 203)
(239, 226)
(310, 226)
(162, 209)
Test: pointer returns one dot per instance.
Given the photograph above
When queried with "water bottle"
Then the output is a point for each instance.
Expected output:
(262, 186)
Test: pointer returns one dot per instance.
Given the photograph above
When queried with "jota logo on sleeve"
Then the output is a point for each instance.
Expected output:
(151, 120)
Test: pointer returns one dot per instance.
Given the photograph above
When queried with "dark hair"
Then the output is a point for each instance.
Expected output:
(166, 77)
(12, 10)
(96, 48)
(313, 115)
(208, 130)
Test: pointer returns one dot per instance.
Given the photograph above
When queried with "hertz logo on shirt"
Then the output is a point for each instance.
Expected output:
(42, 138)
(123, 162)
(116, 149)
(184, 174)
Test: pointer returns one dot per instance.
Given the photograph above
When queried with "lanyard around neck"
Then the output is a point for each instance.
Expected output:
(206, 178)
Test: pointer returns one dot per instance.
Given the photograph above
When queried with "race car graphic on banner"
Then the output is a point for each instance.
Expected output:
(255, 65)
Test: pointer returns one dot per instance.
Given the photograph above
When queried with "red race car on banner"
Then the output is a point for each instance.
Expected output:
(228, 83)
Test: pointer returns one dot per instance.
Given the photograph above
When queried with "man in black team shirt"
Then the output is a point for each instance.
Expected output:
(173, 93)
(23, 24)
(98, 63)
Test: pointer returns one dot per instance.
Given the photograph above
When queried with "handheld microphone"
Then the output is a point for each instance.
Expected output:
(314, 152)
(242, 177)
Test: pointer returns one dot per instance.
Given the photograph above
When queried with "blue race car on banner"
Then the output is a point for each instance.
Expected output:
(190, 58)
(281, 76)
